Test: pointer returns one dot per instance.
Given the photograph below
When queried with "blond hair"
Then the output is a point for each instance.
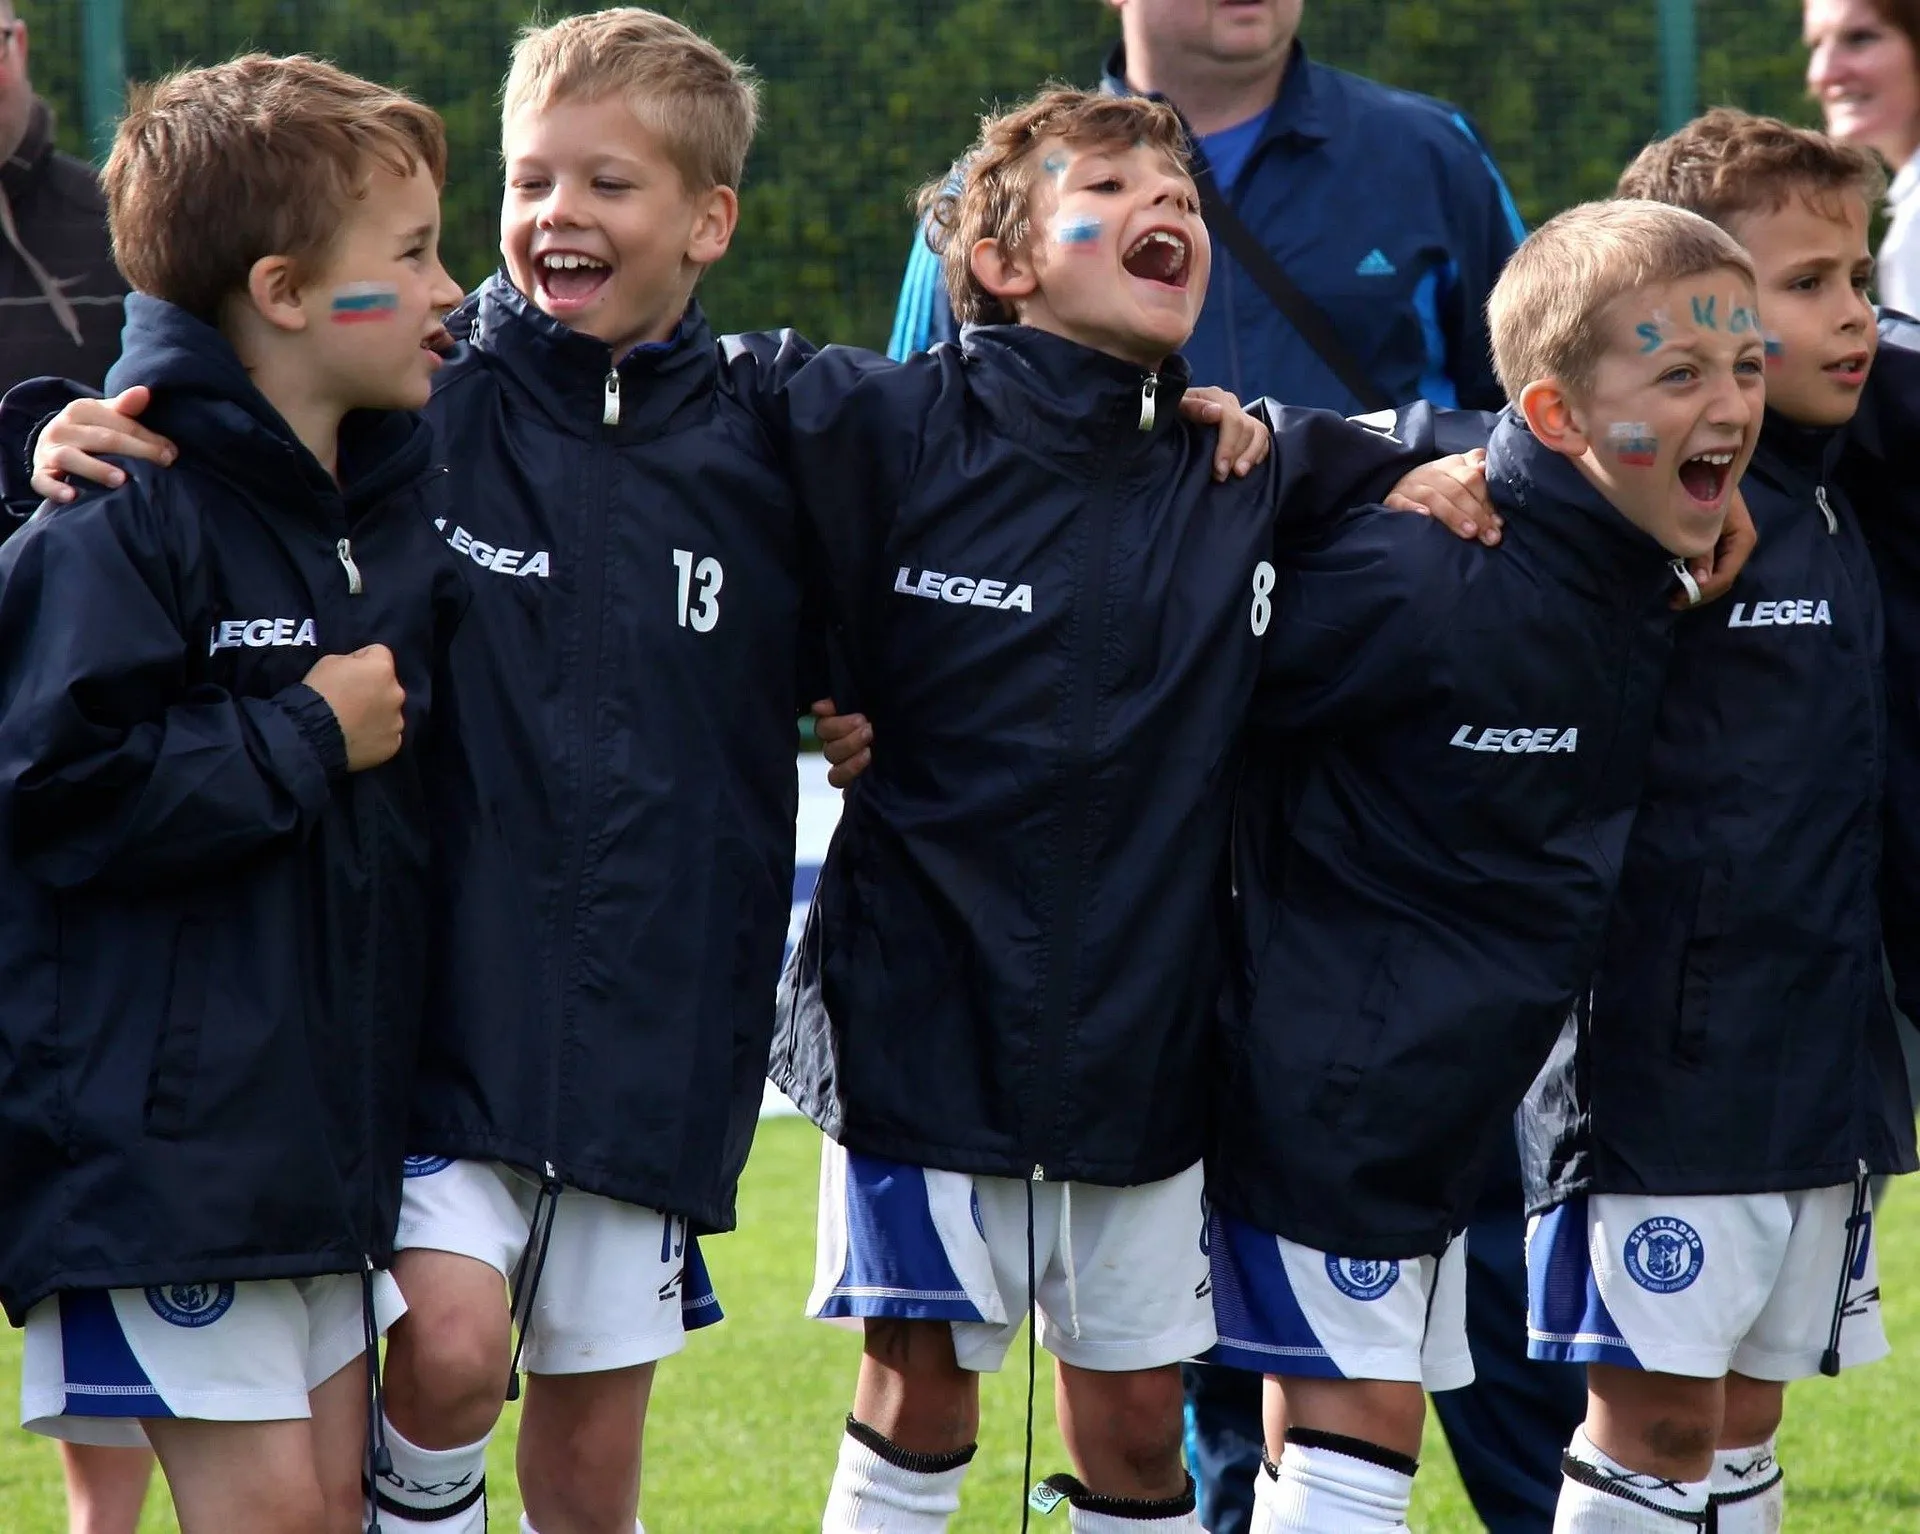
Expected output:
(1547, 313)
(213, 169)
(989, 195)
(702, 105)
(1727, 162)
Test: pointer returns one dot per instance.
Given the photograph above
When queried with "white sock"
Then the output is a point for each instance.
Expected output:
(1090, 1513)
(875, 1493)
(1749, 1494)
(1324, 1491)
(1599, 1495)
(526, 1526)
(428, 1484)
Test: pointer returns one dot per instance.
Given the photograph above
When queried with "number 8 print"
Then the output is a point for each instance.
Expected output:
(1263, 578)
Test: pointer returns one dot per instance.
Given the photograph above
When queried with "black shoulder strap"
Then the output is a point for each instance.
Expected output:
(1306, 317)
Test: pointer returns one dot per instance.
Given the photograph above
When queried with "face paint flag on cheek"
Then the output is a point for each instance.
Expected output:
(1632, 443)
(360, 303)
(1077, 230)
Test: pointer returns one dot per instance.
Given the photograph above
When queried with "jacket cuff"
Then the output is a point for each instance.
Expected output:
(319, 727)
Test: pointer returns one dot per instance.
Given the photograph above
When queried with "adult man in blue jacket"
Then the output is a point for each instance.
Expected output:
(1388, 214)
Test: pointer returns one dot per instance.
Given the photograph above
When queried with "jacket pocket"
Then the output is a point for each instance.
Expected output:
(1699, 967)
(1354, 1048)
(176, 1054)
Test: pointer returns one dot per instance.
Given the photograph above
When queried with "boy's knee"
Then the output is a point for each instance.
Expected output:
(912, 1389)
(1142, 1415)
(1754, 1410)
(446, 1373)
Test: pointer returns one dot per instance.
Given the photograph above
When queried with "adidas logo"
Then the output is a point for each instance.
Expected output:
(1375, 264)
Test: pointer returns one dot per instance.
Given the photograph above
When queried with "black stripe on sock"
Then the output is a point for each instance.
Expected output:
(906, 1459)
(1748, 1493)
(1353, 1448)
(386, 1504)
(1087, 1500)
(1582, 1474)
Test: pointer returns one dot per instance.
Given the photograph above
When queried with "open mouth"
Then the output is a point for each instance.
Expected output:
(1850, 369)
(568, 277)
(1159, 255)
(1704, 476)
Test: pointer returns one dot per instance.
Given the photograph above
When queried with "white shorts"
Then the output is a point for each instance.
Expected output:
(1703, 1285)
(98, 1360)
(622, 1284)
(1284, 1308)
(1121, 1272)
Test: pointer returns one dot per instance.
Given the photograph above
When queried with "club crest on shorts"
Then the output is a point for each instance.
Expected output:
(1664, 1254)
(425, 1166)
(190, 1304)
(1361, 1278)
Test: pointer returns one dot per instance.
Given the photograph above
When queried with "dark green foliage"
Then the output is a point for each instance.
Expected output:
(865, 99)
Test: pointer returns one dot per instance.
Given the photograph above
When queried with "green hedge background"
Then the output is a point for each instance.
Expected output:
(866, 98)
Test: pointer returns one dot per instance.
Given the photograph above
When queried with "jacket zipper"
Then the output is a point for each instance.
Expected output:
(592, 594)
(1057, 1001)
(344, 549)
(1826, 510)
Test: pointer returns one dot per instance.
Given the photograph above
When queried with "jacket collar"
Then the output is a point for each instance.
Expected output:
(1300, 112)
(20, 169)
(204, 400)
(1065, 399)
(1796, 458)
(567, 373)
(1568, 524)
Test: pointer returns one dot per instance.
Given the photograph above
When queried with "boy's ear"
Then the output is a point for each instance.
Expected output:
(273, 286)
(1008, 276)
(1552, 418)
(716, 216)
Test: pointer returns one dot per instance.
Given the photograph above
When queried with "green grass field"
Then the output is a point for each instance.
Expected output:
(746, 1421)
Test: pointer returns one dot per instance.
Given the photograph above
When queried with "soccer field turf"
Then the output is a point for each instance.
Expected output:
(745, 1423)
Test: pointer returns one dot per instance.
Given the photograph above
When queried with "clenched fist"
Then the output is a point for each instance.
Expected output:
(367, 698)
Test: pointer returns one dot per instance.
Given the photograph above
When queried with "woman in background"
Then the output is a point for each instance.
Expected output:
(1863, 67)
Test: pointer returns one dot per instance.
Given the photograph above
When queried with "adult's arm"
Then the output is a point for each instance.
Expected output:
(1486, 229)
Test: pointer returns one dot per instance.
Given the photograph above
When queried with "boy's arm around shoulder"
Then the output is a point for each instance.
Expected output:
(124, 771)
(1324, 464)
(24, 409)
(1361, 618)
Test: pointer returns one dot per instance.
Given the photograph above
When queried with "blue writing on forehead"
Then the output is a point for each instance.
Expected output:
(1703, 313)
(1054, 164)
(1649, 334)
(1079, 230)
(1741, 320)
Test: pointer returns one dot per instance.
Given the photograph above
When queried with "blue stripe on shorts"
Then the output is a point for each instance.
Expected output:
(1567, 1320)
(896, 1265)
(1260, 1322)
(103, 1378)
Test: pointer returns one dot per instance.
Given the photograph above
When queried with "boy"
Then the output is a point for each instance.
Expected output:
(1431, 831)
(590, 1075)
(214, 682)
(1703, 1141)
(998, 1012)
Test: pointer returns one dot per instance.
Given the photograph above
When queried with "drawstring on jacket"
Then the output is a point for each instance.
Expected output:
(379, 1461)
(1033, 1327)
(526, 1280)
(1856, 1226)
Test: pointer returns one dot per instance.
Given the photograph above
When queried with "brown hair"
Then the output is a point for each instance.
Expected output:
(702, 105)
(1729, 162)
(987, 196)
(213, 169)
(1547, 313)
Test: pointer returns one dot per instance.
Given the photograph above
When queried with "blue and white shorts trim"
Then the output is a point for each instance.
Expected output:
(96, 1361)
(622, 1284)
(1283, 1308)
(1121, 1273)
(1702, 1285)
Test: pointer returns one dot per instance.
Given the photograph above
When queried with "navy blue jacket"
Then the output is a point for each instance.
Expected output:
(1738, 1038)
(212, 937)
(1382, 205)
(1449, 753)
(1052, 615)
(1880, 472)
(616, 841)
